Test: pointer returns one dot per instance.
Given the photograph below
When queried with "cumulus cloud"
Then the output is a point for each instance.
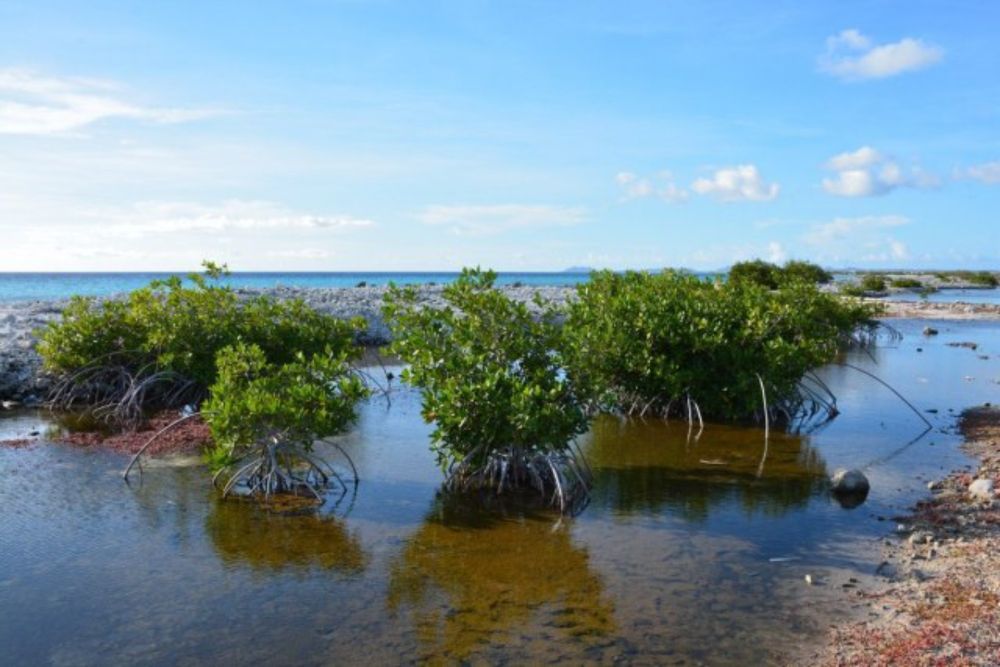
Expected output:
(852, 56)
(740, 183)
(234, 215)
(663, 186)
(493, 219)
(861, 239)
(43, 105)
(988, 173)
(868, 173)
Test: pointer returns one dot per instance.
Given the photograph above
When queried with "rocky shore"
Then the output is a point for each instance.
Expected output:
(940, 603)
(22, 379)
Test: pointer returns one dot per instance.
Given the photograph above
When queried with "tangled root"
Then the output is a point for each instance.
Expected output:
(119, 396)
(562, 478)
(275, 466)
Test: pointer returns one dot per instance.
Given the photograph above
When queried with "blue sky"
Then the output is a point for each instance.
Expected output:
(366, 135)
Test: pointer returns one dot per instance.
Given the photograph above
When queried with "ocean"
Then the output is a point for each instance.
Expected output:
(46, 286)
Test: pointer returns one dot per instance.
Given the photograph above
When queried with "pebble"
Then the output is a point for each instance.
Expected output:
(981, 489)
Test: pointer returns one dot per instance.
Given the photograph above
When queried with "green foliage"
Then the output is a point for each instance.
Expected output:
(489, 371)
(643, 343)
(772, 276)
(255, 402)
(983, 278)
(172, 330)
(807, 272)
(756, 272)
(907, 283)
(872, 282)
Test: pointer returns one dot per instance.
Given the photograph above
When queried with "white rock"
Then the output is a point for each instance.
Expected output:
(981, 489)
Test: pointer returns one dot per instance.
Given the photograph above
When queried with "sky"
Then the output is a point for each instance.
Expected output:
(524, 136)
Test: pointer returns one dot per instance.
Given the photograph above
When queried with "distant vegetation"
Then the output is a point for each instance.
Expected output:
(907, 283)
(981, 278)
(868, 284)
(772, 276)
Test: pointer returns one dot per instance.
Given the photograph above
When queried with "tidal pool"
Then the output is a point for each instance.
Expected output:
(690, 552)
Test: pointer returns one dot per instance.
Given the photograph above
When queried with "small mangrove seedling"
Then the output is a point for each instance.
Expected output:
(491, 377)
(265, 417)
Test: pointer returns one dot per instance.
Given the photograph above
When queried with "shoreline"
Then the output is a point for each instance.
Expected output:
(939, 602)
(22, 379)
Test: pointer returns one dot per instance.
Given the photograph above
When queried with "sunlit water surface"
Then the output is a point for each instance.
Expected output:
(691, 551)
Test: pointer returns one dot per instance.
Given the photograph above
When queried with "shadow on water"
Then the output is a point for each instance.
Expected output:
(478, 581)
(648, 467)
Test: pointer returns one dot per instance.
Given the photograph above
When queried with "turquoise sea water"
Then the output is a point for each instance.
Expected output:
(37, 286)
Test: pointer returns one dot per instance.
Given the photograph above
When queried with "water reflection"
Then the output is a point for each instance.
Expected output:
(474, 580)
(651, 466)
(244, 535)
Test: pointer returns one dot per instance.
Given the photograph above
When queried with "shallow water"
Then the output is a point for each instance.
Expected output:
(977, 296)
(690, 551)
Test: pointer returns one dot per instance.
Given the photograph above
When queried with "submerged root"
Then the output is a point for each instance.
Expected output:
(562, 479)
(279, 467)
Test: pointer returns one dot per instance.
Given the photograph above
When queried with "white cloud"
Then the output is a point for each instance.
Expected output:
(851, 56)
(493, 219)
(740, 183)
(233, 215)
(718, 254)
(868, 173)
(988, 172)
(776, 253)
(845, 228)
(38, 105)
(862, 239)
(664, 187)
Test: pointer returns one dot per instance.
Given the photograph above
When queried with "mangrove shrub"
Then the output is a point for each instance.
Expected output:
(671, 344)
(156, 347)
(265, 416)
(491, 376)
(772, 276)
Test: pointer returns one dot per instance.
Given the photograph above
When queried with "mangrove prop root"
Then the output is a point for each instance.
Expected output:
(767, 425)
(138, 454)
(278, 466)
(892, 389)
(561, 478)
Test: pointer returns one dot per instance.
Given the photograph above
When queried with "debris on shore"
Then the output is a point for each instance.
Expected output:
(188, 437)
(941, 603)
